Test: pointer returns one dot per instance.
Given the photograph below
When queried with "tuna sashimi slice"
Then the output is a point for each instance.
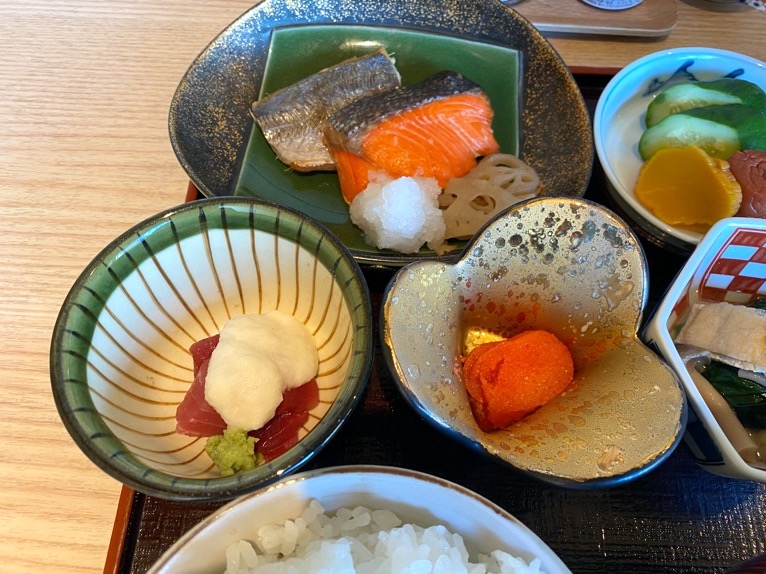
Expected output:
(202, 349)
(281, 432)
(303, 398)
(194, 415)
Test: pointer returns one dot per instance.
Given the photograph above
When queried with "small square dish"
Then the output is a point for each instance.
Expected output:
(417, 56)
(728, 266)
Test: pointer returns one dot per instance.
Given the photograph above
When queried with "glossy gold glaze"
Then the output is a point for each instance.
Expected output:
(568, 266)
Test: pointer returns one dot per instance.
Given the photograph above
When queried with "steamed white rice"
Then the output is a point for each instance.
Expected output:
(364, 541)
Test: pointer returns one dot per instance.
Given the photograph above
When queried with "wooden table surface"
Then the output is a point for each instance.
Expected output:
(84, 154)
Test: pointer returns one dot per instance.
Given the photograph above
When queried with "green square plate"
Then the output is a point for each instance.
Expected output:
(417, 55)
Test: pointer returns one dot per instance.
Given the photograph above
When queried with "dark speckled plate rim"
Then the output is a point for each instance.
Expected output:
(209, 120)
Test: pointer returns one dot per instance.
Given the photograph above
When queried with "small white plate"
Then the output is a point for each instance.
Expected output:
(613, 4)
(619, 122)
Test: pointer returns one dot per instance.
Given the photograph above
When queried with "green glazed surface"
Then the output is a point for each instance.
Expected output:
(418, 55)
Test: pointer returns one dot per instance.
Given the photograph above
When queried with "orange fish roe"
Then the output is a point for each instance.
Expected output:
(506, 380)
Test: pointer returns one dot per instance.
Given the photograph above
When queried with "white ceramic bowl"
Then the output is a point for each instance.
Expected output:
(120, 361)
(416, 497)
(727, 265)
(619, 122)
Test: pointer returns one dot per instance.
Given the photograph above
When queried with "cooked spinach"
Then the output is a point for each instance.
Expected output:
(747, 398)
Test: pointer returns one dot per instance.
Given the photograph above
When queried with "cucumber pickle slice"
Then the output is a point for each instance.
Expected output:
(719, 130)
(689, 95)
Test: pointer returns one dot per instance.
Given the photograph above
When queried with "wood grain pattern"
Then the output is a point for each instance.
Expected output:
(84, 154)
(651, 18)
(699, 23)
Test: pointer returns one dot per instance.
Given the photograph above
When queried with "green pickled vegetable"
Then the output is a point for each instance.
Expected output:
(689, 95)
(719, 130)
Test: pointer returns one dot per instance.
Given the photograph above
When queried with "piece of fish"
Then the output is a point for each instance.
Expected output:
(195, 416)
(436, 128)
(292, 118)
(281, 432)
(749, 169)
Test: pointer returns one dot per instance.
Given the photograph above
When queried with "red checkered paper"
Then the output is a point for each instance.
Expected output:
(737, 272)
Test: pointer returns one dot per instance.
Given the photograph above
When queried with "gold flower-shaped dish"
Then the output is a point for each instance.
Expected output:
(573, 268)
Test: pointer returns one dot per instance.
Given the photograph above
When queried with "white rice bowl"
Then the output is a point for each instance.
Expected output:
(360, 519)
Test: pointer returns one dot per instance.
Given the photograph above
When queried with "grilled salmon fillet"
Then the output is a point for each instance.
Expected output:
(436, 128)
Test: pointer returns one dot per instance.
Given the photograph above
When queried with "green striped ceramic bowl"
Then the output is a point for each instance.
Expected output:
(120, 362)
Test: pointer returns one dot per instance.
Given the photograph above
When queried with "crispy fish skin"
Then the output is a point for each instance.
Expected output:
(347, 127)
(292, 119)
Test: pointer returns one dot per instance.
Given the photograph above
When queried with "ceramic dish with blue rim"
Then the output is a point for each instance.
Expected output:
(120, 353)
(567, 266)
(725, 267)
(540, 112)
(619, 121)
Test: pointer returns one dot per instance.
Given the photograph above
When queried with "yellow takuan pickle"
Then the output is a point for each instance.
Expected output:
(688, 188)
